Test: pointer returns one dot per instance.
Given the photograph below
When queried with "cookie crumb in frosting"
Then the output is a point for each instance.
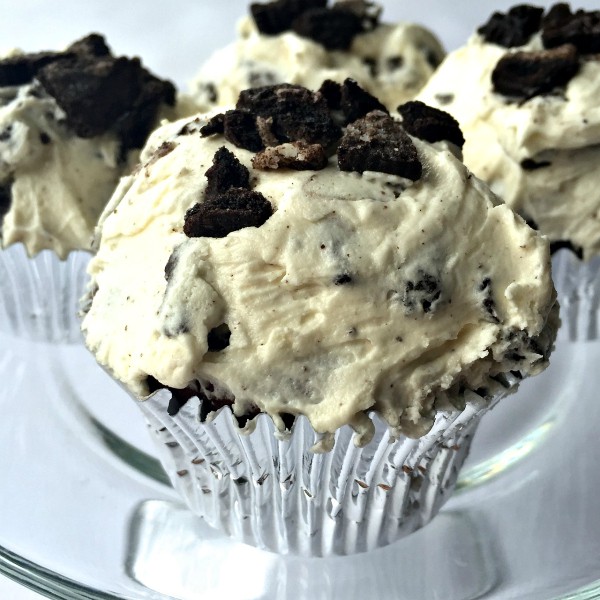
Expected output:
(430, 124)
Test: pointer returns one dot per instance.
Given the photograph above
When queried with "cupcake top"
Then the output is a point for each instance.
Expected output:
(306, 253)
(525, 90)
(305, 42)
(71, 123)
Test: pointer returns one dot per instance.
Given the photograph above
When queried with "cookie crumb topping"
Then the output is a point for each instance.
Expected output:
(430, 124)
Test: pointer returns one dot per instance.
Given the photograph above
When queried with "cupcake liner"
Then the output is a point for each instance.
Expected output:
(39, 296)
(578, 287)
(278, 495)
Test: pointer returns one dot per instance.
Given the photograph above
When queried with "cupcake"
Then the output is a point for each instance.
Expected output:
(306, 42)
(71, 124)
(524, 89)
(315, 303)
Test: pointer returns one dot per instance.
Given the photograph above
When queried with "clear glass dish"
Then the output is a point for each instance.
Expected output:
(87, 512)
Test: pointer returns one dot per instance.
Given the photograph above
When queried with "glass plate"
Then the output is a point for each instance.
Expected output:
(87, 511)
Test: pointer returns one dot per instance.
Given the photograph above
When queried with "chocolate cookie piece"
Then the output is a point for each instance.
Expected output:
(299, 156)
(582, 29)
(378, 143)
(513, 28)
(102, 93)
(21, 69)
(277, 17)
(334, 28)
(422, 293)
(298, 114)
(214, 126)
(234, 209)
(430, 124)
(488, 303)
(239, 128)
(226, 172)
(5, 201)
(355, 102)
(218, 338)
(92, 45)
(332, 92)
(528, 164)
(528, 74)
(179, 397)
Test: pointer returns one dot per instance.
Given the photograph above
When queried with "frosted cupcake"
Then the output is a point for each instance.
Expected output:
(71, 124)
(306, 42)
(308, 268)
(524, 90)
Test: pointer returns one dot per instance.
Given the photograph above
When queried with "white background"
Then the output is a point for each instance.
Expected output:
(174, 37)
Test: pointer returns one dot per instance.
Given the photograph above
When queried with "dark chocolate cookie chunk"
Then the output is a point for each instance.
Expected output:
(241, 130)
(92, 45)
(218, 338)
(299, 156)
(298, 114)
(430, 124)
(226, 172)
(214, 126)
(335, 28)
(234, 209)
(332, 92)
(5, 201)
(276, 17)
(513, 28)
(378, 143)
(582, 29)
(355, 102)
(21, 69)
(528, 74)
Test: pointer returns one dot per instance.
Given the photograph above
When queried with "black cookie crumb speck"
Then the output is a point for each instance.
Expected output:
(235, 209)
(430, 124)
(422, 293)
(342, 279)
(581, 28)
(218, 338)
(529, 74)
(214, 126)
(528, 164)
(296, 155)
(378, 143)
(226, 172)
(513, 28)
(5, 200)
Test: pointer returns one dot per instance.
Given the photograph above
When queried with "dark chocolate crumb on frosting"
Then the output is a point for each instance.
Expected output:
(430, 124)
(423, 293)
(5, 201)
(581, 28)
(299, 156)
(529, 74)
(333, 27)
(234, 209)
(98, 92)
(528, 164)
(226, 172)
(218, 338)
(351, 100)
(276, 17)
(378, 143)
(513, 28)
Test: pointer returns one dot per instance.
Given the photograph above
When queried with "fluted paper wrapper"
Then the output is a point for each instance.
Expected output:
(578, 287)
(281, 496)
(39, 296)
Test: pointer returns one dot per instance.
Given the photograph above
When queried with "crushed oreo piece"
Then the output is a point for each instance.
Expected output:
(100, 93)
(342, 279)
(214, 126)
(235, 209)
(581, 28)
(218, 338)
(298, 114)
(430, 124)
(368, 12)
(264, 125)
(226, 172)
(423, 293)
(240, 128)
(334, 28)
(295, 155)
(277, 17)
(171, 264)
(378, 143)
(92, 45)
(355, 102)
(179, 397)
(332, 92)
(513, 28)
(22, 68)
(528, 164)
(5, 199)
(488, 303)
(567, 245)
(529, 74)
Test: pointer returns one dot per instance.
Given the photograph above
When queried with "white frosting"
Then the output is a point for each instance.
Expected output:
(563, 129)
(256, 59)
(300, 343)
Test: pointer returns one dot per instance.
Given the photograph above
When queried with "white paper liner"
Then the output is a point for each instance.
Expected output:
(578, 287)
(280, 496)
(39, 296)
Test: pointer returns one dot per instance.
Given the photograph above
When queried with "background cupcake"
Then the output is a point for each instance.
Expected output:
(524, 89)
(71, 123)
(244, 266)
(305, 43)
